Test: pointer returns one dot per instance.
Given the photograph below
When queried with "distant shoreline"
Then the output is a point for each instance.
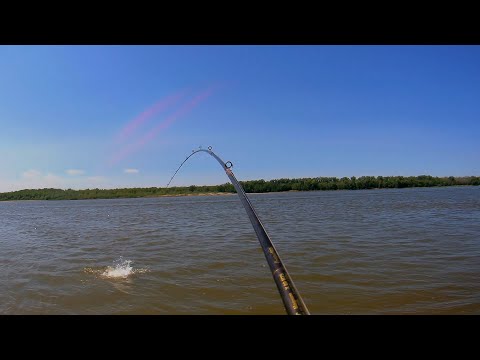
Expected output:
(250, 187)
(229, 193)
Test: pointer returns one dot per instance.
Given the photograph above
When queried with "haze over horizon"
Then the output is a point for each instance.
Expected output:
(126, 116)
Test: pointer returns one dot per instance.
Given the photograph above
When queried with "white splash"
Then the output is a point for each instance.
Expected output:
(121, 269)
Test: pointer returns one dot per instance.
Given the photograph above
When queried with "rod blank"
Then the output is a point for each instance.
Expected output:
(291, 298)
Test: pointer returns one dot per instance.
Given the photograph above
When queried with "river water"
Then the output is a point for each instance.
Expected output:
(392, 251)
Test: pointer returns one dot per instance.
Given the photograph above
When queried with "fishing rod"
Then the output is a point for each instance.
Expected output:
(291, 298)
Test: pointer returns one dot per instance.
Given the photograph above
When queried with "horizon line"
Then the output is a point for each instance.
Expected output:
(273, 179)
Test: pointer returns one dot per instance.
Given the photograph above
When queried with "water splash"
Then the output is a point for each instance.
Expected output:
(121, 269)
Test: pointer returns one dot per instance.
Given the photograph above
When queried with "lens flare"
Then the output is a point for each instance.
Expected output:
(147, 114)
(184, 110)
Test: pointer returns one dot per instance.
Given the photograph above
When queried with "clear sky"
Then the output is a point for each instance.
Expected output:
(124, 116)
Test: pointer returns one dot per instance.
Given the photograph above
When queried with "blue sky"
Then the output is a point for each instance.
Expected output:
(274, 111)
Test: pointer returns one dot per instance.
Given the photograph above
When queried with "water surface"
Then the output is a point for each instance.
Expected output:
(392, 251)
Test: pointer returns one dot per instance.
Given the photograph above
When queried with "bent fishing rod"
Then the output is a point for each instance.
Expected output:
(292, 300)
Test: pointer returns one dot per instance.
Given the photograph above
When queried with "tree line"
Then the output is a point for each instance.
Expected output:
(252, 186)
